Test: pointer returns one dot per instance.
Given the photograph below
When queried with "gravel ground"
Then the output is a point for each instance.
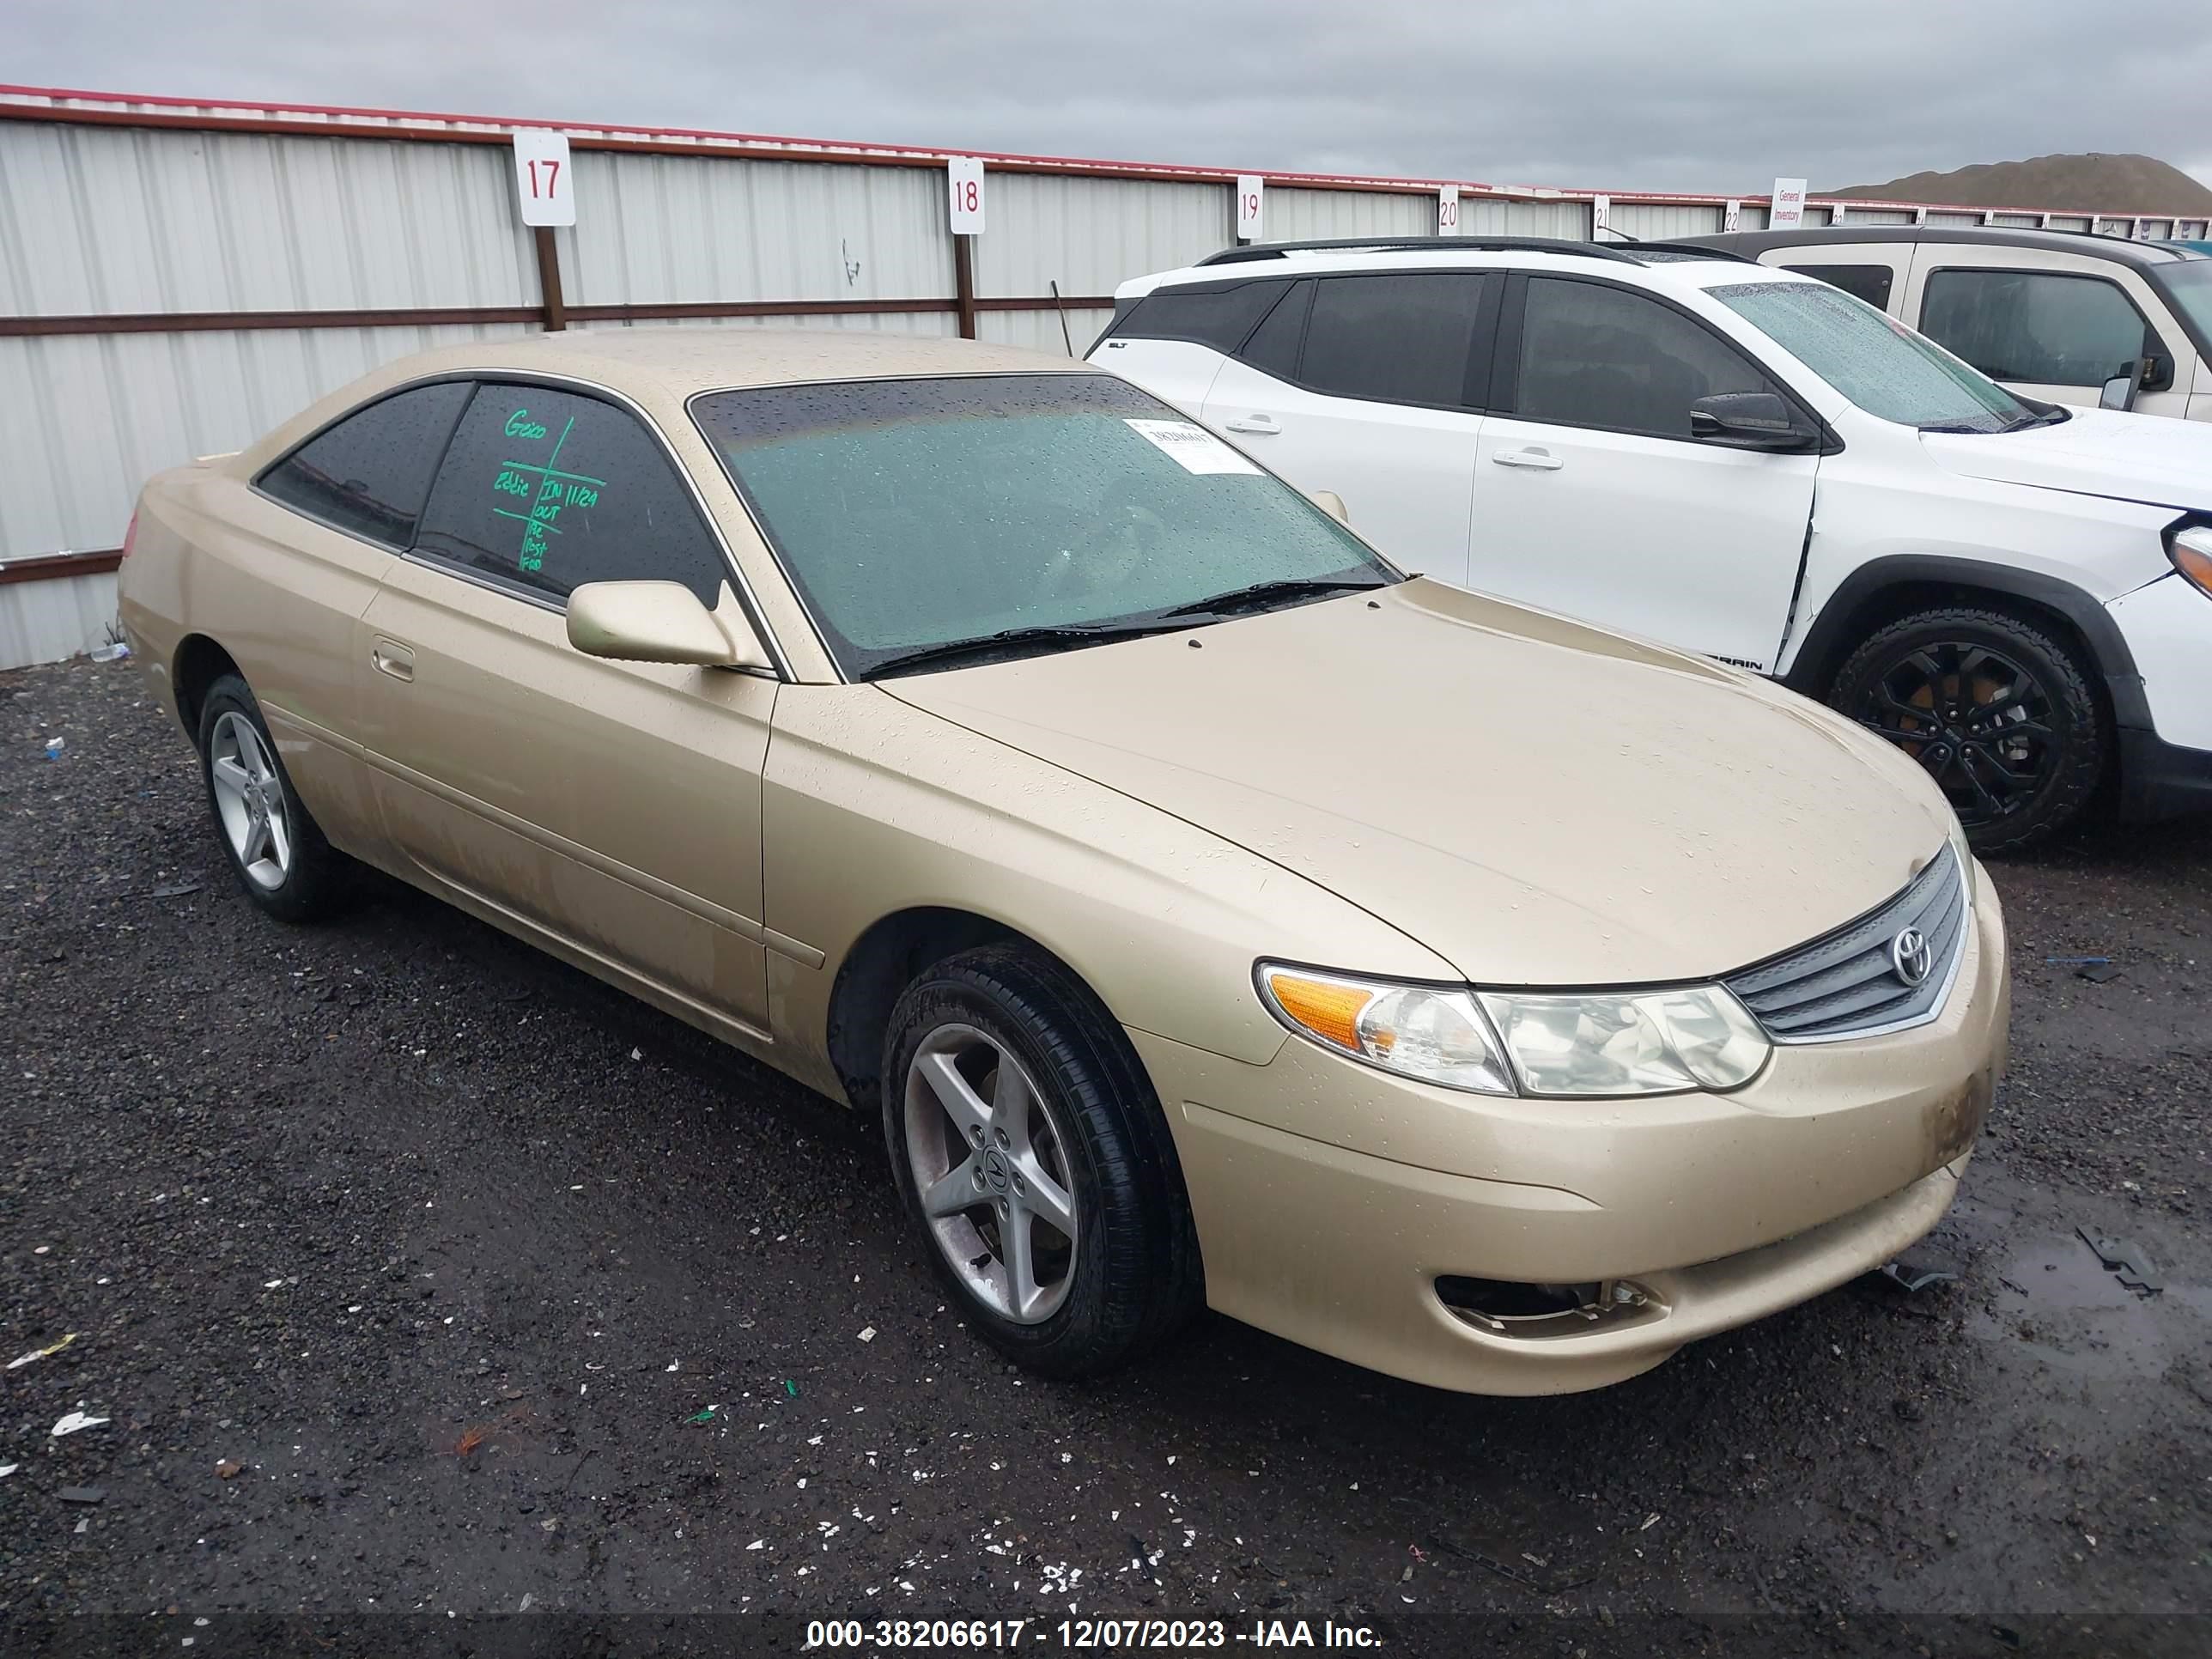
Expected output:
(413, 1272)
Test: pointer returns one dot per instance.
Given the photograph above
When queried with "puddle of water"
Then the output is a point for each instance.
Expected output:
(2057, 1300)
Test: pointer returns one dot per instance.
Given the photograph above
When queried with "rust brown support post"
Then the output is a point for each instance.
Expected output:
(548, 279)
(963, 283)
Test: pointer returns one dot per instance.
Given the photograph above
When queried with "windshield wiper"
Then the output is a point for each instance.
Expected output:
(1262, 594)
(1015, 638)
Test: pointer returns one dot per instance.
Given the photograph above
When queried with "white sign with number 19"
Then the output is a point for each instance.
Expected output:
(1251, 197)
(541, 183)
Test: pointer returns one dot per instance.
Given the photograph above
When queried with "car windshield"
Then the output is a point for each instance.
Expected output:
(1876, 361)
(2188, 285)
(916, 516)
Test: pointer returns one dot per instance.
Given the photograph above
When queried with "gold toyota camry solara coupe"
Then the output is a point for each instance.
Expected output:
(1215, 914)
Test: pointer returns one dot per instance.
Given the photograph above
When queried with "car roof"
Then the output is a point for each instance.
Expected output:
(1665, 263)
(673, 363)
(2117, 248)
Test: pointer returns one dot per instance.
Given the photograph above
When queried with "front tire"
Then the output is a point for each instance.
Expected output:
(1031, 1150)
(2000, 713)
(277, 849)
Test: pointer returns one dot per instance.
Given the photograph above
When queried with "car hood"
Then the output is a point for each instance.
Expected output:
(2097, 452)
(1537, 801)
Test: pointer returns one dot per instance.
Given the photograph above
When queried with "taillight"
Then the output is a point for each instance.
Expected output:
(130, 534)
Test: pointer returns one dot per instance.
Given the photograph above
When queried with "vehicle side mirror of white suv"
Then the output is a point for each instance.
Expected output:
(1751, 420)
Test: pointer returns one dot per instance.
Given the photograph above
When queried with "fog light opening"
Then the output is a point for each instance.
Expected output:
(1510, 1308)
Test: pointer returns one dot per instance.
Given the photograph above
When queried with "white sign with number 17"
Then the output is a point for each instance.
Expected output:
(541, 183)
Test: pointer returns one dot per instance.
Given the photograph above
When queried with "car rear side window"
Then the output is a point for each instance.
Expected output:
(368, 473)
(1274, 347)
(547, 490)
(2042, 328)
(1592, 355)
(1868, 282)
(1216, 317)
(1399, 339)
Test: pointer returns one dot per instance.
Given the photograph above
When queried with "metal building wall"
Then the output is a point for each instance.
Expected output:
(1294, 215)
(46, 621)
(1660, 222)
(1489, 215)
(681, 229)
(1090, 234)
(1859, 215)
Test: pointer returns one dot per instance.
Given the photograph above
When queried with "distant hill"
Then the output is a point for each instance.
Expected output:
(2106, 183)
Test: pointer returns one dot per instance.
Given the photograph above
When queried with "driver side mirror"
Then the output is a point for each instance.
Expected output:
(661, 622)
(1751, 420)
(2119, 392)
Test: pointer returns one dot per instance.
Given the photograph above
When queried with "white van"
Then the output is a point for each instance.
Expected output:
(2058, 314)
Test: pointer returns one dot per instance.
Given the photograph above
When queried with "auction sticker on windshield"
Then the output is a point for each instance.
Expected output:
(1195, 448)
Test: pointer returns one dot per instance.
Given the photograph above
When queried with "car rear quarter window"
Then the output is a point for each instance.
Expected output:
(1274, 347)
(1869, 282)
(1403, 338)
(1593, 354)
(1216, 317)
(369, 472)
(546, 490)
(2040, 327)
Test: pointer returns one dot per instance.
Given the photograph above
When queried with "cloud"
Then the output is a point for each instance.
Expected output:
(1619, 93)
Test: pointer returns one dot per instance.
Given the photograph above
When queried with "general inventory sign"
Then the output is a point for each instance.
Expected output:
(541, 181)
(1788, 212)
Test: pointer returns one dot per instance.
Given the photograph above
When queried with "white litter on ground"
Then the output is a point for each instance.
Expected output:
(73, 1421)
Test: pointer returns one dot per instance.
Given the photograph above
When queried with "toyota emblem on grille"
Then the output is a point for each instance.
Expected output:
(1912, 956)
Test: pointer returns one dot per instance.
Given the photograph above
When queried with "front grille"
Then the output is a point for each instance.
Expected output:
(1846, 983)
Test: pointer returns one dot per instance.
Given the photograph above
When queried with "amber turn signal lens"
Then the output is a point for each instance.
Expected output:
(2193, 561)
(1331, 1013)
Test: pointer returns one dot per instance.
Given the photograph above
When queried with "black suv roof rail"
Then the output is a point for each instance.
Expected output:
(1230, 255)
(1696, 250)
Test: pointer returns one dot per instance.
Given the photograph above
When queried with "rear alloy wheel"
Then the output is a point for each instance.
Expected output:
(276, 847)
(1029, 1147)
(1999, 713)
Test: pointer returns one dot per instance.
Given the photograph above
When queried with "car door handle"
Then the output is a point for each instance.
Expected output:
(1540, 460)
(1258, 425)
(389, 657)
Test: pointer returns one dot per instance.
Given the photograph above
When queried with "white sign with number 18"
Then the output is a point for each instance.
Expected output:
(541, 183)
(964, 177)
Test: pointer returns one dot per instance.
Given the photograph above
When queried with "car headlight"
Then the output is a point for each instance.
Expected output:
(1607, 1044)
(2190, 549)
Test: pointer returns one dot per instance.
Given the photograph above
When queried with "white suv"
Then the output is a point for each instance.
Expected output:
(1743, 462)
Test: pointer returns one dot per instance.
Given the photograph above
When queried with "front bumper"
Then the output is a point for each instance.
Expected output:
(2166, 768)
(1330, 1197)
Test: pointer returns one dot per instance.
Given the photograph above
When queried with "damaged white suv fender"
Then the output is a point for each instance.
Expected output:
(1743, 462)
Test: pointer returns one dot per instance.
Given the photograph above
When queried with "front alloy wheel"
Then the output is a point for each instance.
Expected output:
(1996, 711)
(990, 1164)
(1027, 1142)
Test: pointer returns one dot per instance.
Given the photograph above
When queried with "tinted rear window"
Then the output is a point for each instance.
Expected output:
(369, 473)
(1401, 339)
(1868, 282)
(1220, 319)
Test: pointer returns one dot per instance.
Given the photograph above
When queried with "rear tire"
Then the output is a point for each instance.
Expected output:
(2001, 713)
(1012, 1101)
(277, 849)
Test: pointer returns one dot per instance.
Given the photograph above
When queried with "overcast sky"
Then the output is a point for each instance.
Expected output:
(1690, 94)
